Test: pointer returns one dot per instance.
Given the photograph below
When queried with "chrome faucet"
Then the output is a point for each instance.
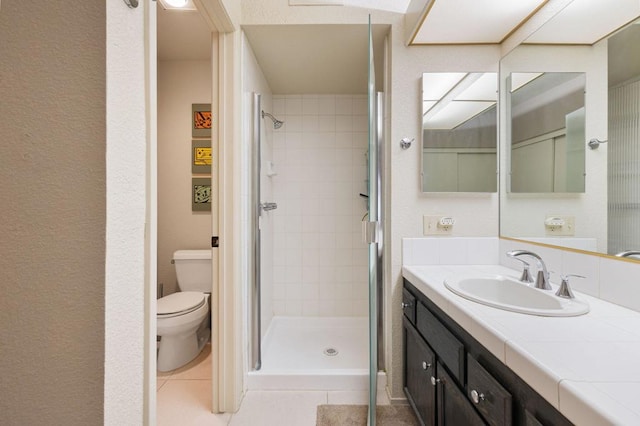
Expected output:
(629, 253)
(542, 277)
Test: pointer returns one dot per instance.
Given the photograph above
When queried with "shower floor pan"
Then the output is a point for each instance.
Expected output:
(314, 353)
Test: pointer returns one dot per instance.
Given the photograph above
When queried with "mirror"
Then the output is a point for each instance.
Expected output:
(459, 132)
(603, 216)
(547, 131)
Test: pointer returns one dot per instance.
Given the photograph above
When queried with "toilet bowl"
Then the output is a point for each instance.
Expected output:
(183, 317)
(182, 327)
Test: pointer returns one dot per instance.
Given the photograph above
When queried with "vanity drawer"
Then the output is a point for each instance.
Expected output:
(409, 306)
(488, 396)
(448, 348)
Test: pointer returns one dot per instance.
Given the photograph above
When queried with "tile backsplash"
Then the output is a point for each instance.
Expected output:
(450, 251)
(613, 280)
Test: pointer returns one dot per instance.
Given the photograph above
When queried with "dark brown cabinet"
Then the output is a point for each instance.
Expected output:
(453, 406)
(420, 366)
(488, 396)
(450, 379)
(432, 392)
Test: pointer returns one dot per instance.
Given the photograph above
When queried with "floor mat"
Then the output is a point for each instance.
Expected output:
(356, 415)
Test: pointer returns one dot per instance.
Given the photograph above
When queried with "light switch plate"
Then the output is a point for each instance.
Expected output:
(433, 225)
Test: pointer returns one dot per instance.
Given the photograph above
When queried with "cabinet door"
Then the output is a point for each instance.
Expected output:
(454, 408)
(489, 397)
(419, 367)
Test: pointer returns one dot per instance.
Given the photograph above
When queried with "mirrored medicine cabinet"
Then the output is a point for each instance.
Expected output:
(459, 132)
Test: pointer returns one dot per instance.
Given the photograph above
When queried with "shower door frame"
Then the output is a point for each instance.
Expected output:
(373, 233)
(255, 265)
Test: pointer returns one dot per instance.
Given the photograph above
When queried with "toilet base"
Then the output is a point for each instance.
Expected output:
(177, 350)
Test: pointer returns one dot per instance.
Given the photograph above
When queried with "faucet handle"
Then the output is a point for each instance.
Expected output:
(565, 290)
(526, 274)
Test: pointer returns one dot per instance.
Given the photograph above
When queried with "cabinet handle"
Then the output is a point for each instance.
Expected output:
(434, 381)
(425, 365)
(477, 397)
(406, 305)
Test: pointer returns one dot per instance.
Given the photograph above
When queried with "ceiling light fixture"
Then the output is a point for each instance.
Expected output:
(178, 4)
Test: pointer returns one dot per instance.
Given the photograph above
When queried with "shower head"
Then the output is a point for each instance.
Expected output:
(276, 123)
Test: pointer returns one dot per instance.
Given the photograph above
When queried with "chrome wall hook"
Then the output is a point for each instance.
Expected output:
(595, 143)
(405, 143)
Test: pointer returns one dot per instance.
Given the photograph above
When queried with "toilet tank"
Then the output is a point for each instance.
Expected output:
(193, 270)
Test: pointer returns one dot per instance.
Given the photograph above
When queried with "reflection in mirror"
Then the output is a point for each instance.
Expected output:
(606, 217)
(623, 161)
(547, 113)
(459, 132)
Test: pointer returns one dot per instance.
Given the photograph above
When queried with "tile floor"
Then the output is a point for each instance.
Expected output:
(184, 398)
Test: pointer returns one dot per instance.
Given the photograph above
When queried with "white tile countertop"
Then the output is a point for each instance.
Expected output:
(587, 366)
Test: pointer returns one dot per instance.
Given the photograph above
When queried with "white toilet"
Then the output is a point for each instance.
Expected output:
(183, 317)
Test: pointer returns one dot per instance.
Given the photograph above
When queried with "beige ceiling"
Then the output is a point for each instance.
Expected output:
(295, 59)
(320, 59)
(334, 58)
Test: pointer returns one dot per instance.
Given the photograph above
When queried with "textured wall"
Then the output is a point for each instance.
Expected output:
(52, 204)
(129, 118)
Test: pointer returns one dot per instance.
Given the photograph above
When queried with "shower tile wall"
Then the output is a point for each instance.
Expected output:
(319, 155)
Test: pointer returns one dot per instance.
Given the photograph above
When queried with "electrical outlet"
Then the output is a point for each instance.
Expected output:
(437, 225)
(560, 225)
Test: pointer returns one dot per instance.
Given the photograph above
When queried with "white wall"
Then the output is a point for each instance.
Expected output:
(320, 261)
(53, 192)
(476, 215)
(180, 84)
(523, 215)
(128, 384)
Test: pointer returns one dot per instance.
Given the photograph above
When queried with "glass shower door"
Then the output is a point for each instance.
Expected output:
(373, 230)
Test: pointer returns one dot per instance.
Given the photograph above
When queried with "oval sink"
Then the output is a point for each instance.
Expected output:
(512, 295)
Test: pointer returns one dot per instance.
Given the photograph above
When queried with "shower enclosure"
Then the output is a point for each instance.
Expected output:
(315, 309)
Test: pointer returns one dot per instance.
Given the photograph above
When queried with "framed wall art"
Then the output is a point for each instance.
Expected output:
(201, 156)
(201, 120)
(201, 194)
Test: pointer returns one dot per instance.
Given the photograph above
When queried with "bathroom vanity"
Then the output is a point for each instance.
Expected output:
(467, 363)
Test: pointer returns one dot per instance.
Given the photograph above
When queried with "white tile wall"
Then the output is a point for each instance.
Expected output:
(320, 263)
(613, 280)
(450, 251)
(616, 281)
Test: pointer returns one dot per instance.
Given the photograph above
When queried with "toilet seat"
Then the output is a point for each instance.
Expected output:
(180, 303)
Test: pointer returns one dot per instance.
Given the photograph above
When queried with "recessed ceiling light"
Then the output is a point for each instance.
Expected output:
(178, 4)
